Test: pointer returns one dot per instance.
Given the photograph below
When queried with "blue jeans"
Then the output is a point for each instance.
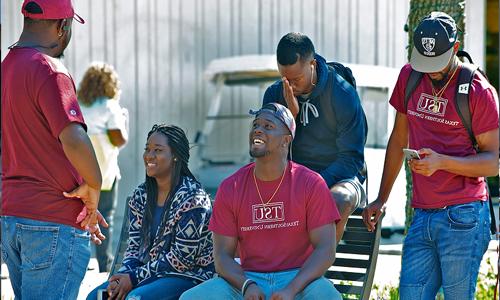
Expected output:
(167, 288)
(218, 288)
(45, 260)
(444, 248)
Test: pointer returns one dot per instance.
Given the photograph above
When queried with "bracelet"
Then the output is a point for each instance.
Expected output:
(245, 286)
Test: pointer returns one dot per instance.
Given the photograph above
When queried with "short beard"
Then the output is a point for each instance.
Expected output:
(257, 154)
(442, 82)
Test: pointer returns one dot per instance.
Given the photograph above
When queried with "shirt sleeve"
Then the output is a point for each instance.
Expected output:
(223, 219)
(116, 117)
(274, 93)
(484, 110)
(321, 207)
(398, 94)
(58, 102)
(350, 139)
(131, 259)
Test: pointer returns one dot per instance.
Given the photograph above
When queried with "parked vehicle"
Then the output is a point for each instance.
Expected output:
(374, 85)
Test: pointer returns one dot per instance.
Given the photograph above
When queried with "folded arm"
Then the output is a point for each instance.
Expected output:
(79, 151)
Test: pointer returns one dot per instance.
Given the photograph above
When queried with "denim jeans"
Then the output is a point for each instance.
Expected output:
(444, 248)
(45, 260)
(218, 288)
(167, 288)
(107, 203)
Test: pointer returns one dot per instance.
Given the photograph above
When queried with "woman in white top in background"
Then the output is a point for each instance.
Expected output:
(107, 122)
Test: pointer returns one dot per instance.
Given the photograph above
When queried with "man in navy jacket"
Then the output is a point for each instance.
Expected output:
(331, 123)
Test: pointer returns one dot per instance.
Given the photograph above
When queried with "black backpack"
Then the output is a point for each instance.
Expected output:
(343, 71)
(462, 104)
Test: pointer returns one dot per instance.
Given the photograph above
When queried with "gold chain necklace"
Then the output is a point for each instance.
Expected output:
(439, 93)
(275, 191)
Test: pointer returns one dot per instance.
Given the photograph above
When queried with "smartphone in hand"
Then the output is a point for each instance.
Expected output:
(411, 154)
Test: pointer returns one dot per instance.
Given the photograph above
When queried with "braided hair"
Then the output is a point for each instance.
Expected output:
(179, 145)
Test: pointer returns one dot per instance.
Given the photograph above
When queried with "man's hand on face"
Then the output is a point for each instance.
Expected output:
(291, 101)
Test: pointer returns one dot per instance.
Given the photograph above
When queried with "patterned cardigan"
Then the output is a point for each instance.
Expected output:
(184, 228)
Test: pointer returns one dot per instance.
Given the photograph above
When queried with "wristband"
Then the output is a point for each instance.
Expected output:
(245, 286)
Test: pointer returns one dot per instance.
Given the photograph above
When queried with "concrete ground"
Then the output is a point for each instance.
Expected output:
(387, 272)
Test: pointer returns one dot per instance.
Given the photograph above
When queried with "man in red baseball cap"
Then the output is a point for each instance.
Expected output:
(50, 10)
(50, 176)
(47, 26)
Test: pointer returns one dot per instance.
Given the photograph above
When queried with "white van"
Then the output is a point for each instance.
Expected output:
(374, 85)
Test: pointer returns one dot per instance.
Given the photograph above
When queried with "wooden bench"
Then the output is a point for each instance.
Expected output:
(356, 259)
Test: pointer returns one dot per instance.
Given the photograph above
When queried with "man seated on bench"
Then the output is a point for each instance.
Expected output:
(281, 215)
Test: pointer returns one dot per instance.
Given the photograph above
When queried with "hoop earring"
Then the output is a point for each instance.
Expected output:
(60, 34)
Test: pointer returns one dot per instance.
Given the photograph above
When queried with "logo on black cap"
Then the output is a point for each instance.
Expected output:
(428, 44)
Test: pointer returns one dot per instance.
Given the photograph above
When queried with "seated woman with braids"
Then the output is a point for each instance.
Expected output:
(169, 247)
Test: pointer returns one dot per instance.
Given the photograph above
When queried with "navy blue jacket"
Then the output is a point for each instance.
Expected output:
(333, 148)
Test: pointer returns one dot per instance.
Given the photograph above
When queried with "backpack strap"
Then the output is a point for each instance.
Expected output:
(493, 221)
(343, 71)
(462, 103)
(411, 85)
(462, 100)
(464, 54)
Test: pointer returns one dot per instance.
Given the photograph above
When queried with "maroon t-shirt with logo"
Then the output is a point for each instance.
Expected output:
(275, 236)
(437, 125)
(38, 102)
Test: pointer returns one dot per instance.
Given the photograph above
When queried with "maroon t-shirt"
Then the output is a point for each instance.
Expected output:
(439, 128)
(273, 237)
(38, 102)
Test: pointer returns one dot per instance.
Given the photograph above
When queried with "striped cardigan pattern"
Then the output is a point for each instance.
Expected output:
(184, 228)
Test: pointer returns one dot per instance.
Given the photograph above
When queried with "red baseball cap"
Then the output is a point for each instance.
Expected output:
(51, 9)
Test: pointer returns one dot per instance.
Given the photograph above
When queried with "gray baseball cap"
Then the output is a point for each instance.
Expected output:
(279, 111)
(433, 41)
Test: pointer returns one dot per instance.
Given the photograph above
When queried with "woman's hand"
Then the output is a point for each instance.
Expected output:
(119, 286)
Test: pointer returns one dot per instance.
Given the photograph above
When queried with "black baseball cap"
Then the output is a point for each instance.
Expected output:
(279, 111)
(433, 41)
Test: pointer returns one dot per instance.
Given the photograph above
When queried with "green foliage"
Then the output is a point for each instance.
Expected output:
(387, 292)
(348, 296)
(484, 290)
(486, 283)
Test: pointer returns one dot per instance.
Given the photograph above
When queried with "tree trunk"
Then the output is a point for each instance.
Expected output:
(418, 10)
